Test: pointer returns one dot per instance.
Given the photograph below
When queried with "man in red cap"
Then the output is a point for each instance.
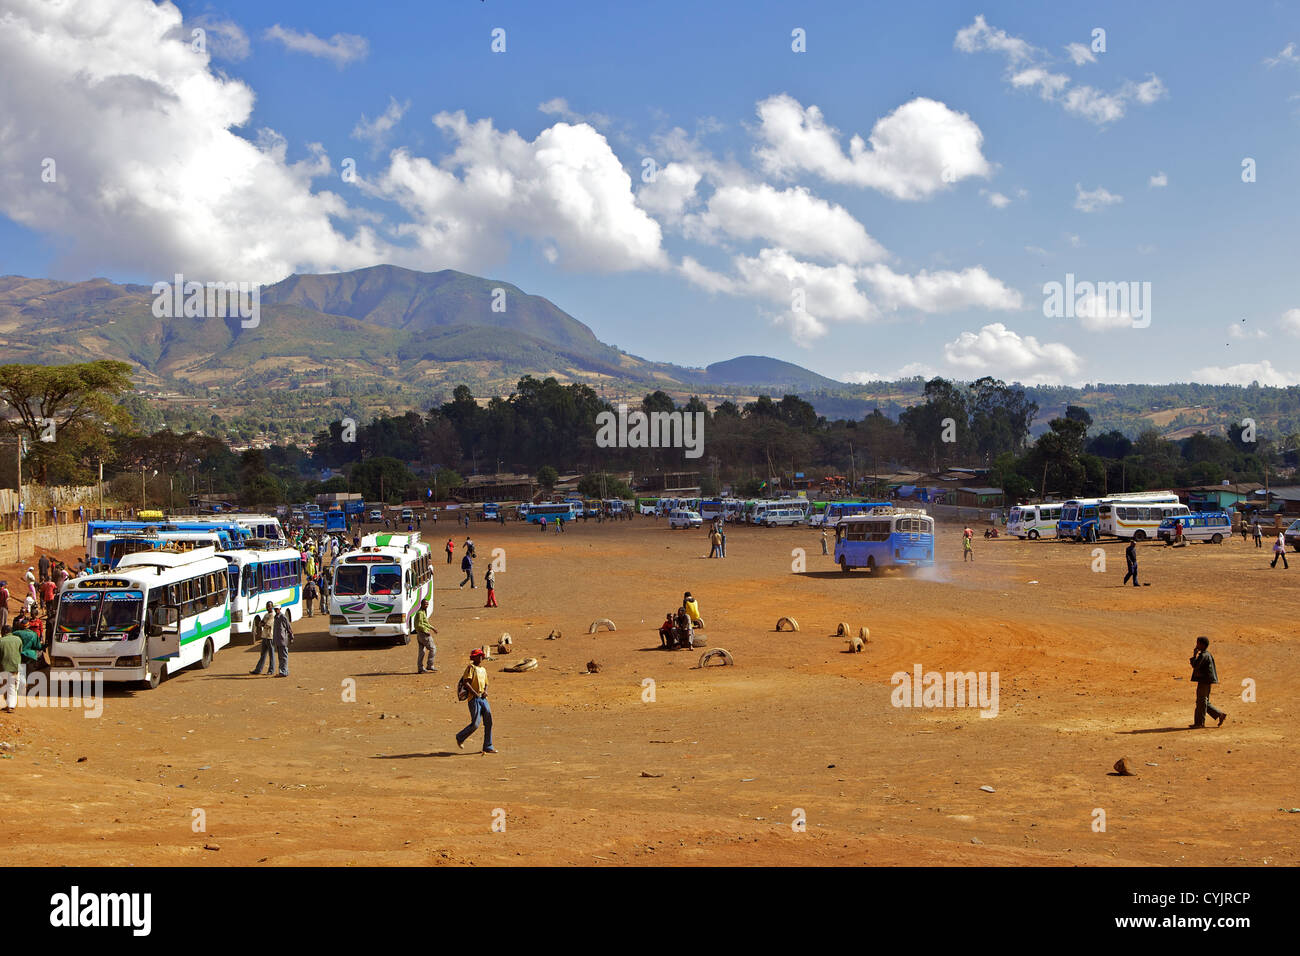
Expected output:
(475, 681)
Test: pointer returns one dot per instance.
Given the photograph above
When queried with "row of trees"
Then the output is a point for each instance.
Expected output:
(72, 418)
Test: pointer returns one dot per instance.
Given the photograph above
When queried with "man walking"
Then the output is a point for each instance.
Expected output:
(450, 548)
(715, 542)
(281, 636)
(967, 546)
(475, 681)
(4, 604)
(309, 593)
(1279, 551)
(1205, 677)
(467, 565)
(44, 565)
(1131, 561)
(11, 668)
(424, 631)
(490, 579)
(1259, 535)
(824, 550)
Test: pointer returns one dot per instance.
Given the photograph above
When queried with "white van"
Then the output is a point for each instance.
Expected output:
(773, 517)
(685, 519)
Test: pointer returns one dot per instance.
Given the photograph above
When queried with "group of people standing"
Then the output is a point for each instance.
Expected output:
(678, 628)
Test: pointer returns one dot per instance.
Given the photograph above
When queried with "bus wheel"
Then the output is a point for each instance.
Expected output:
(1217, 539)
(153, 680)
(871, 565)
(404, 639)
(1033, 535)
(844, 564)
(1139, 535)
(343, 641)
(206, 660)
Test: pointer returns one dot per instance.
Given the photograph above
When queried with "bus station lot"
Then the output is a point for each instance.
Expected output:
(653, 760)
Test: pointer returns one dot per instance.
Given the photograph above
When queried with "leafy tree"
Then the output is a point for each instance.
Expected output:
(547, 477)
(66, 413)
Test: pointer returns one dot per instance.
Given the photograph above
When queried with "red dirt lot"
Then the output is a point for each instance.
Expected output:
(722, 763)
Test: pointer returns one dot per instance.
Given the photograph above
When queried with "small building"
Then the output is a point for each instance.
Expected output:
(979, 497)
(502, 487)
(1219, 497)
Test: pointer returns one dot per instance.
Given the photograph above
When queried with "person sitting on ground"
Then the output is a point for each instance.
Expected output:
(684, 633)
(666, 631)
(692, 608)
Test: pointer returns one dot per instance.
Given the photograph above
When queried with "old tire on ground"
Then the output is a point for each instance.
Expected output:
(864, 632)
(206, 660)
(527, 664)
(794, 625)
(718, 652)
(842, 630)
(603, 622)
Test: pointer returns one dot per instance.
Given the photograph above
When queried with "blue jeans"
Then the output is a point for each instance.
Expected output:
(267, 656)
(479, 709)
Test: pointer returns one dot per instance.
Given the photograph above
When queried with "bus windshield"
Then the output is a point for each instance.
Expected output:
(350, 580)
(99, 615)
(385, 579)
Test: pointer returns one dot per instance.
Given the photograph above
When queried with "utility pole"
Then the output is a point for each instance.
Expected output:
(18, 440)
(101, 488)
(143, 503)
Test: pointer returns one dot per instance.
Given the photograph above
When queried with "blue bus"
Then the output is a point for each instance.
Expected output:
(886, 537)
(103, 536)
(537, 514)
(336, 520)
(491, 511)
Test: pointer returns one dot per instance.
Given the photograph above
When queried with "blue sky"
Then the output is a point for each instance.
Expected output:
(993, 159)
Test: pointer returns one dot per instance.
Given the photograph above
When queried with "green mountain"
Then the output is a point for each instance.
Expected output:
(760, 371)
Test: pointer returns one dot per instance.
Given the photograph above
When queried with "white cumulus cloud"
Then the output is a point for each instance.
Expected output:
(1159, 180)
(997, 350)
(940, 291)
(1291, 321)
(376, 131)
(565, 188)
(912, 153)
(793, 219)
(1247, 373)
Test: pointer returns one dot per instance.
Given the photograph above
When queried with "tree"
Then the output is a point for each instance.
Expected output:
(66, 413)
(602, 485)
(547, 477)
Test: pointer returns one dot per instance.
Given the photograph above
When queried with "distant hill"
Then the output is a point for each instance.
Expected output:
(759, 371)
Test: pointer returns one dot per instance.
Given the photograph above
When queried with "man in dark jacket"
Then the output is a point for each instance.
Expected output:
(1131, 560)
(1205, 677)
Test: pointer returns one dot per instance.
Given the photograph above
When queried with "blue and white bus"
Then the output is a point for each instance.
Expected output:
(547, 513)
(157, 612)
(884, 538)
(256, 577)
(1077, 516)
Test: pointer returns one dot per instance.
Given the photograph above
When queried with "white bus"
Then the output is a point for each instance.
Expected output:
(261, 526)
(377, 589)
(260, 576)
(1138, 516)
(157, 612)
(1034, 521)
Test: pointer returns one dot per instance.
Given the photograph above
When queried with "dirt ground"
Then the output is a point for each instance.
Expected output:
(220, 768)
